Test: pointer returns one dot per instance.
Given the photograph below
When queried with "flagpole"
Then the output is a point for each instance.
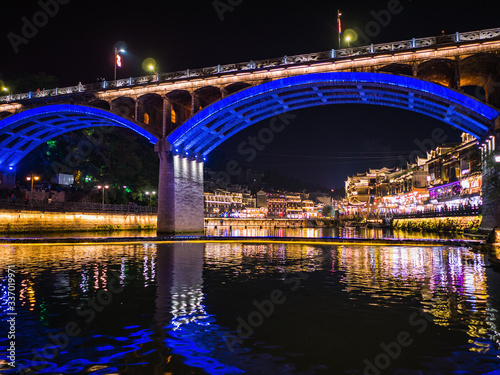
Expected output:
(114, 62)
(339, 25)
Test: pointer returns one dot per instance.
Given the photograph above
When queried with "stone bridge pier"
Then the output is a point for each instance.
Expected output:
(490, 167)
(180, 191)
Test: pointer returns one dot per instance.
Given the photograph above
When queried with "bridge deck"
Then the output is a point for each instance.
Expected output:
(363, 52)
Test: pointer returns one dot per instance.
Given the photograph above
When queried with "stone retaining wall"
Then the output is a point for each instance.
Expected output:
(439, 224)
(36, 221)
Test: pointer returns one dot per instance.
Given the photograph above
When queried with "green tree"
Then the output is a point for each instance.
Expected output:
(31, 82)
(116, 156)
(327, 211)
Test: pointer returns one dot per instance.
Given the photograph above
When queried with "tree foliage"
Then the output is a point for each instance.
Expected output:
(31, 82)
(114, 156)
(327, 211)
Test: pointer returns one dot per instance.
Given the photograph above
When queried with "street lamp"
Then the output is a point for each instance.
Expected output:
(348, 40)
(150, 65)
(103, 187)
(118, 60)
(150, 195)
(32, 178)
(152, 68)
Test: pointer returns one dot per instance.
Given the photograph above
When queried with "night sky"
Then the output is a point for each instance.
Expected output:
(320, 145)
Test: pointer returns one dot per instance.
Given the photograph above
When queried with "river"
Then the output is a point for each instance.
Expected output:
(236, 231)
(230, 308)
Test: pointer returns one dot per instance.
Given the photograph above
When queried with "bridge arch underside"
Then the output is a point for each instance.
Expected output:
(22, 133)
(218, 122)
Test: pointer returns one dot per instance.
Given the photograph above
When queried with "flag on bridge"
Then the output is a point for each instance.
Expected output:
(338, 21)
(118, 60)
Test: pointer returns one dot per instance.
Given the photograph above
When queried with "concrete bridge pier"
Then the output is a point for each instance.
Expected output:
(180, 192)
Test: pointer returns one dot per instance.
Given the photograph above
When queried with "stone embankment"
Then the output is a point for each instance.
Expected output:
(37, 221)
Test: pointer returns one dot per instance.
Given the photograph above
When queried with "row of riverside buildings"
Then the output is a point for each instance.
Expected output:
(236, 201)
(449, 178)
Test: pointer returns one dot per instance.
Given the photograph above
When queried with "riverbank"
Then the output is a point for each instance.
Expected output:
(43, 222)
(33, 221)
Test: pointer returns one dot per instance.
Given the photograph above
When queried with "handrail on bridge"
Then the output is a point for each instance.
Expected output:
(261, 64)
(90, 207)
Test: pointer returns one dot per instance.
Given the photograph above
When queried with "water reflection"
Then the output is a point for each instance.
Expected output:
(87, 234)
(377, 233)
(172, 307)
(248, 231)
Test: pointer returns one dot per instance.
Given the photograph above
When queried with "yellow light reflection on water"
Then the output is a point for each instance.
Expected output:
(450, 282)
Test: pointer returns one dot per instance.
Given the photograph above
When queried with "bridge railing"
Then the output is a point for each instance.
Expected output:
(44, 205)
(467, 211)
(262, 64)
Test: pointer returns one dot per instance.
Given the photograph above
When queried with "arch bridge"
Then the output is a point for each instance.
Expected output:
(189, 113)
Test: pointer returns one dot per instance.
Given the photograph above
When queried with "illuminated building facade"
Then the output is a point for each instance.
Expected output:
(293, 206)
(253, 213)
(289, 205)
(310, 211)
(276, 205)
(242, 204)
(449, 178)
(223, 203)
(363, 188)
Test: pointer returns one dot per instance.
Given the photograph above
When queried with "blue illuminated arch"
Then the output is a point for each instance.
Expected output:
(221, 120)
(23, 132)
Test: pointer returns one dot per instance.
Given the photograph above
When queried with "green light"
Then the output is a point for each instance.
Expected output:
(44, 313)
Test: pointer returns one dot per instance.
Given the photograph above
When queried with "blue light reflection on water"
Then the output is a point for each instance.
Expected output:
(450, 284)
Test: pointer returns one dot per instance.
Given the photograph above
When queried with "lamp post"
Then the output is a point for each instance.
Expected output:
(348, 40)
(152, 68)
(103, 187)
(32, 178)
(117, 54)
(150, 195)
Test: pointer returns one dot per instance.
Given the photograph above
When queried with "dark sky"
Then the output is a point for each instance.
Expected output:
(76, 45)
